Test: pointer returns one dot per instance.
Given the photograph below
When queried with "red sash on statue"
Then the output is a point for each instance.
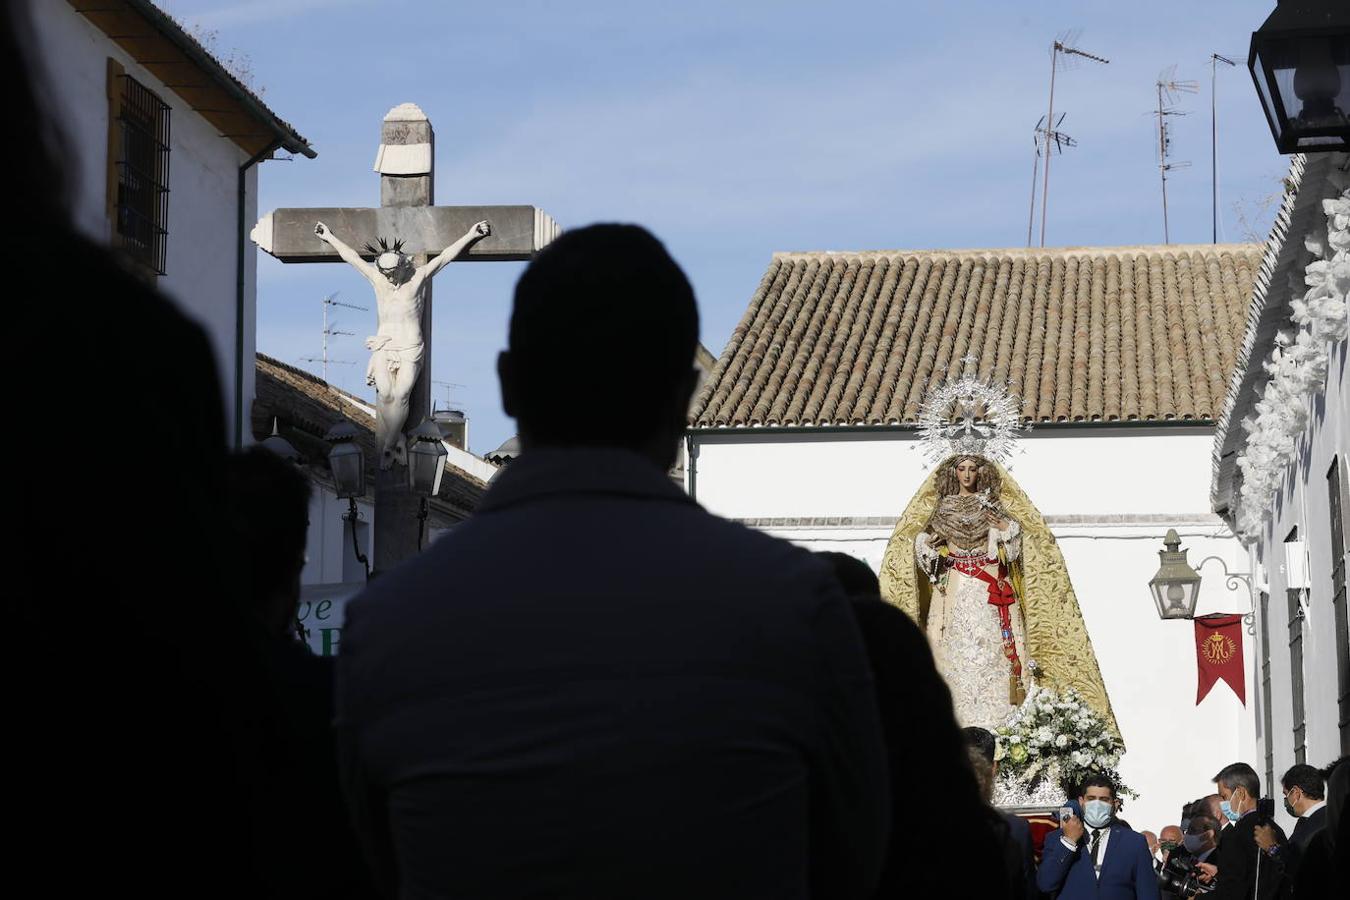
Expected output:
(1001, 596)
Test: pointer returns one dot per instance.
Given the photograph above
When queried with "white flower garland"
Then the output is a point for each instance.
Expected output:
(1055, 737)
(1297, 367)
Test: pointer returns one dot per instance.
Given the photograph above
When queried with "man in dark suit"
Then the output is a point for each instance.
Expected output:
(1244, 870)
(594, 688)
(1096, 857)
(1019, 856)
(1305, 800)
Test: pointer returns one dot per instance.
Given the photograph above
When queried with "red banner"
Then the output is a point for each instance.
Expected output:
(1218, 654)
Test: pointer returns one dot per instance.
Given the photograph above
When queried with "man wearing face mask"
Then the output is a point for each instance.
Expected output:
(1244, 870)
(1305, 800)
(1097, 857)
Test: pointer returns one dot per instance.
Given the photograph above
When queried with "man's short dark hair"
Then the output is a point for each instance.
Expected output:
(1097, 779)
(1307, 779)
(982, 739)
(603, 331)
(856, 576)
(1201, 823)
(1239, 775)
(267, 514)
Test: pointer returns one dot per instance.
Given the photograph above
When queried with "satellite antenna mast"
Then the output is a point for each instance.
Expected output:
(449, 389)
(331, 331)
(1047, 136)
(1061, 46)
(1214, 60)
(1168, 89)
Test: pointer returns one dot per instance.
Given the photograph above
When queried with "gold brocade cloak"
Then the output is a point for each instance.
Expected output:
(1056, 638)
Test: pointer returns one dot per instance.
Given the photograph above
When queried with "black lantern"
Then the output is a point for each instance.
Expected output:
(1176, 587)
(347, 460)
(1300, 61)
(426, 459)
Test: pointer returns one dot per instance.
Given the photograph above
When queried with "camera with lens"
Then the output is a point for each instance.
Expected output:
(1180, 877)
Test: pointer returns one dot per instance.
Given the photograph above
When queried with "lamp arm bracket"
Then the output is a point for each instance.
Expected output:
(1231, 580)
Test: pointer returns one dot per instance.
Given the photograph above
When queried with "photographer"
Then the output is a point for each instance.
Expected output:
(1187, 872)
(1244, 870)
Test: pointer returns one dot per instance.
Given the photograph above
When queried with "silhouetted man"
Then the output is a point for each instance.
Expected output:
(304, 846)
(593, 688)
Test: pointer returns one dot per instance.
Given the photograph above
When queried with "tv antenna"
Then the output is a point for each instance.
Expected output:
(1048, 137)
(331, 330)
(1168, 91)
(1214, 60)
(1062, 52)
(449, 389)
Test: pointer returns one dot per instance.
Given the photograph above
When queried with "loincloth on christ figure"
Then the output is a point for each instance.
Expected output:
(384, 354)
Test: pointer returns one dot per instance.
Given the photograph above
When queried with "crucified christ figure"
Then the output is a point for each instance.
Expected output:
(397, 347)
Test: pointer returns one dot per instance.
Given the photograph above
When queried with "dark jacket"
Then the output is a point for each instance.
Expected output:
(1245, 872)
(593, 688)
(1289, 855)
(927, 754)
(1126, 869)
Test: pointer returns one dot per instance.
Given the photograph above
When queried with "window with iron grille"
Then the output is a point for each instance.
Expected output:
(140, 193)
(1267, 718)
(1295, 596)
(1335, 501)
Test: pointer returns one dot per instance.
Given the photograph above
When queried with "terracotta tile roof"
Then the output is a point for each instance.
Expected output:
(1082, 334)
(305, 407)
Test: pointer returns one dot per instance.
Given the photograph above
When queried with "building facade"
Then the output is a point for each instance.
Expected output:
(1281, 476)
(807, 429)
(164, 145)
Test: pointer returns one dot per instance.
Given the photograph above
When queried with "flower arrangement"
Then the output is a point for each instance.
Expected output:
(1056, 736)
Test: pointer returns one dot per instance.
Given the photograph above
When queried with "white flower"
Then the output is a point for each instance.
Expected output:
(1062, 740)
(1044, 735)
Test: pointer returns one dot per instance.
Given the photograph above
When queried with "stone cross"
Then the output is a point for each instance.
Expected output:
(406, 213)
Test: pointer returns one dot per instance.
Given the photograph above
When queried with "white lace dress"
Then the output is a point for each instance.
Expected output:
(965, 629)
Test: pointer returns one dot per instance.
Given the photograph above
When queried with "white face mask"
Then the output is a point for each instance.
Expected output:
(1098, 813)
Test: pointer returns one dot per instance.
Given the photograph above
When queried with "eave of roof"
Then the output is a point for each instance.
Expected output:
(173, 56)
(1306, 186)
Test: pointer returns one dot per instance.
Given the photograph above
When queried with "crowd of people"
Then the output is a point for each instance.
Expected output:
(593, 688)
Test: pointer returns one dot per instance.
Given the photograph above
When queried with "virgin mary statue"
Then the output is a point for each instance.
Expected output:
(974, 564)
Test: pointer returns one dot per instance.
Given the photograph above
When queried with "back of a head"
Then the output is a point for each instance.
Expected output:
(268, 517)
(1239, 775)
(603, 333)
(982, 739)
(854, 575)
(1200, 824)
(984, 772)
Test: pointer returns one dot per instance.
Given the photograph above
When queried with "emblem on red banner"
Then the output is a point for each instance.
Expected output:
(1218, 654)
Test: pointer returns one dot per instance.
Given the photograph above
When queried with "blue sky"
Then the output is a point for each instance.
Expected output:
(733, 130)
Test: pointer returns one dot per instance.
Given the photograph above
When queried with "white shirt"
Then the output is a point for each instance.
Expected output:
(1312, 809)
(1087, 845)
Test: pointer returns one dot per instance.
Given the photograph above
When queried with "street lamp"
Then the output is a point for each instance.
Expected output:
(280, 446)
(1300, 62)
(426, 465)
(1176, 587)
(347, 461)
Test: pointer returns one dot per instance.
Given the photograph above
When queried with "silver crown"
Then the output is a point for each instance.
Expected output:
(969, 416)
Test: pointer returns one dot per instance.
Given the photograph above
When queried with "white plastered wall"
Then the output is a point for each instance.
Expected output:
(1304, 502)
(203, 183)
